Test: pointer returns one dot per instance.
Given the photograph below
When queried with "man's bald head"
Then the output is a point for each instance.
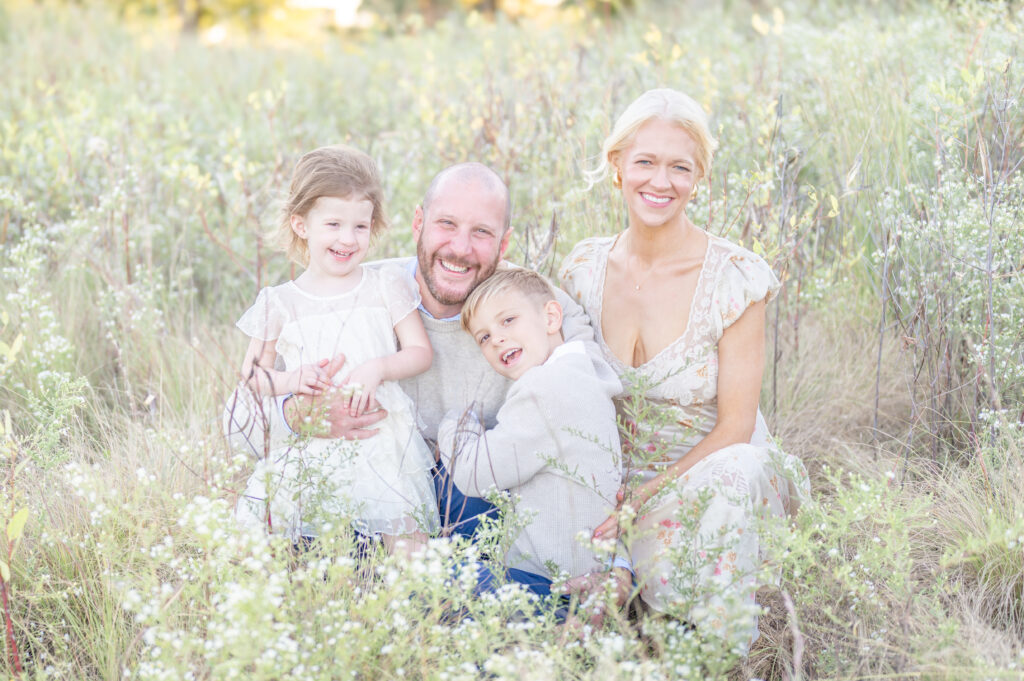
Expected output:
(462, 173)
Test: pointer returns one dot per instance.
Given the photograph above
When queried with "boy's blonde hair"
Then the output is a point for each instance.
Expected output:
(524, 281)
(337, 171)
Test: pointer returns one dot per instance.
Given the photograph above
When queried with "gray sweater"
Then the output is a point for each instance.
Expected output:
(555, 447)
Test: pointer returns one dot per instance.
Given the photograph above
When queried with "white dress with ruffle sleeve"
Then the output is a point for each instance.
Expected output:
(695, 548)
(380, 485)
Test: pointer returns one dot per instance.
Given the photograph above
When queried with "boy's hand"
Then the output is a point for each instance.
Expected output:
(597, 590)
(309, 379)
(609, 529)
(360, 388)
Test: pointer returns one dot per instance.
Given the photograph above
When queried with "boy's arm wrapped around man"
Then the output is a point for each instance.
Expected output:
(506, 456)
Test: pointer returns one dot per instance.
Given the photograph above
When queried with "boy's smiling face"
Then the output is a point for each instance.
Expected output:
(516, 332)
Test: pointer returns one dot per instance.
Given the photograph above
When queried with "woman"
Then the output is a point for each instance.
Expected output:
(688, 331)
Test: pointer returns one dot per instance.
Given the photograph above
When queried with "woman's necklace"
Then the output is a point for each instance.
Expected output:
(637, 283)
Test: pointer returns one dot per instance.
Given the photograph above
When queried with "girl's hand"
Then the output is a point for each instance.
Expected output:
(360, 388)
(309, 379)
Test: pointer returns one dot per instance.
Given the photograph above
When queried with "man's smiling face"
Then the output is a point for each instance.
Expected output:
(460, 238)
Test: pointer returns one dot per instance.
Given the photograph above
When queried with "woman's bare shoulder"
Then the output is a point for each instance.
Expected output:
(579, 268)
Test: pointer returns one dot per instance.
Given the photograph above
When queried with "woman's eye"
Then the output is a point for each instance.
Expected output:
(363, 227)
(508, 320)
(682, 169)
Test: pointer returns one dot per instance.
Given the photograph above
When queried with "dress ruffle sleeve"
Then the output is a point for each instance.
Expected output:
(579, 269)
(399, 290)
(265, 319)
(745, 279)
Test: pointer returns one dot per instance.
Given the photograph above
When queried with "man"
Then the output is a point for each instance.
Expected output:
(462, 230)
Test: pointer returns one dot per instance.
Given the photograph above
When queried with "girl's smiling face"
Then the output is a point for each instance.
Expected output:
(659, 172)
(337, 232)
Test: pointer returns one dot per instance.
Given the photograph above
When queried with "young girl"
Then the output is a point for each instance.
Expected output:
(337, 306)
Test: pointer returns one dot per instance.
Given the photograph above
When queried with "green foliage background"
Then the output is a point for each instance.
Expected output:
(870, 152)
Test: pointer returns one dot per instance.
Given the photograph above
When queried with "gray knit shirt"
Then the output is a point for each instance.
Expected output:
(555, 447)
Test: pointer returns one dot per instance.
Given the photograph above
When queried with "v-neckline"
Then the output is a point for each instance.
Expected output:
(601, 277)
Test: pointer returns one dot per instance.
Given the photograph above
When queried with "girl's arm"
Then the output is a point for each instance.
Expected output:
(413, 358)
(741, 359)
(260, 375)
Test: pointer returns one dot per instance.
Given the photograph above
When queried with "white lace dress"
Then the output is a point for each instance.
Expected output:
(695, 548)
(382, 484)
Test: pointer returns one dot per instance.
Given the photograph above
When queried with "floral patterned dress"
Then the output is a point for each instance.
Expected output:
(695, 548)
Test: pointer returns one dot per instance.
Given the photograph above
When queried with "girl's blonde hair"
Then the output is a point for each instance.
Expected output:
(338, 171)
(666, 104)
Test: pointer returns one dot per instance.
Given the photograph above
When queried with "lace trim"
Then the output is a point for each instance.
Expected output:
(698, 335)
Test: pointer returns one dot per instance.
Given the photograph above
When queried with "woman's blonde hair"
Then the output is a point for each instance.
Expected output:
(666, 104)
(338, 171)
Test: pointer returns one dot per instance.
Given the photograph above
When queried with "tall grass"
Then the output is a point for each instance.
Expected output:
(870, 153)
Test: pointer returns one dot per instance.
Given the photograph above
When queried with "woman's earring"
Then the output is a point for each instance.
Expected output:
(617, 180)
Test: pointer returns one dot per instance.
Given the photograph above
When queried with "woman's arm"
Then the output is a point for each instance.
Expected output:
(741, 357)
(414, 357)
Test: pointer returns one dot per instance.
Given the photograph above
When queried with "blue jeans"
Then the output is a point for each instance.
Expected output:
(460, 514)
(488, 581)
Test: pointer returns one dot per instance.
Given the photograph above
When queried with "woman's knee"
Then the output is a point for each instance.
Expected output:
(746, 460)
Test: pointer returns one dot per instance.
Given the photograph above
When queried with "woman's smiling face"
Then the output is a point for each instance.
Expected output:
(659, 172)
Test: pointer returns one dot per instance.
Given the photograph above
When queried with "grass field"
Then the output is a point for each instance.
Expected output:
(870, 152)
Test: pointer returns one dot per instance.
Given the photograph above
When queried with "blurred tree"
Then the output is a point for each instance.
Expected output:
(392, 11)
(196, 14)
(605, 8)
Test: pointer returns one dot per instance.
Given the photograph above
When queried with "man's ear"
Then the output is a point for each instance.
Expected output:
(417, 223)
(504, 242)
(299, 226)
(553, 316)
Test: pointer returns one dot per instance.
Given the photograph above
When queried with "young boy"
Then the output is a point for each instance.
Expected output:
(556, 444)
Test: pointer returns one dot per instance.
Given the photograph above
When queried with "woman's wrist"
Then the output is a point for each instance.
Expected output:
(652, 488)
